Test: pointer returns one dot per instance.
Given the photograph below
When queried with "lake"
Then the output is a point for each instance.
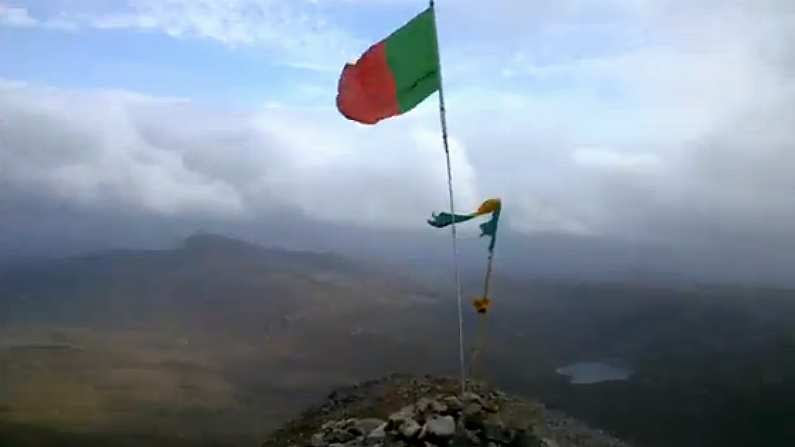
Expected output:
(593, 372)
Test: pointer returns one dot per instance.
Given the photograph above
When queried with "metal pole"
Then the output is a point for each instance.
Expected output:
(443, 121)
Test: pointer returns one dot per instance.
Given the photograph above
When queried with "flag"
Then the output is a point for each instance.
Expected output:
(394, 75)
(489, 228)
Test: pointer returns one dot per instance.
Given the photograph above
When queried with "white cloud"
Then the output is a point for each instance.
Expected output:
(91, 154)
(170, 157)
(295, 33)
(633, 117)
(610, 159)
(16, 16)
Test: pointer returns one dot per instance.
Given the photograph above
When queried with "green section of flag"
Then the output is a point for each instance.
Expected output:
(413, 57)
(489, 228)
(442, 220)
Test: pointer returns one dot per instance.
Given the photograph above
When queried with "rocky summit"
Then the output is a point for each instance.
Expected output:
(403, 411)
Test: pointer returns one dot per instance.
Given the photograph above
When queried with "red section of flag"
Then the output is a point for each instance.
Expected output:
(367, 91)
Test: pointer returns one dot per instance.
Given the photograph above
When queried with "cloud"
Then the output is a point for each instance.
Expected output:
(92, 154)
(295, 33)
(635, 120)
(169, 157)
(16, 16)
(612, 160)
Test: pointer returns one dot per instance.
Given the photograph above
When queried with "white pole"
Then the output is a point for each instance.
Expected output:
(443, 120)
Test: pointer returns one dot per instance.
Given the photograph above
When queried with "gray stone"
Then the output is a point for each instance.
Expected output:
(472, 397)
(401, 415)
(339, 435)
(453, 403)
(525, 438)
(494, 430)
(465, 437)
(440, 426)
(346, 424)
(318, 441)
(438, 407)
(473, 416)
(409, 428)
(491, 407)
(546, 442)
(378, 432)
(425, 407)
(498, 434)
(472, 409)
(422, 404)
(365, 426)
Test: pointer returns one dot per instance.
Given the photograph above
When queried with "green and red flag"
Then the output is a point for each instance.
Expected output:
(394, 75)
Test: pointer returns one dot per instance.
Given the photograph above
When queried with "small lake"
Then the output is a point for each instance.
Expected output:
(593, 372)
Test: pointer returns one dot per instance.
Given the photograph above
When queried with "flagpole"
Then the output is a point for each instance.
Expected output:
(443, 121)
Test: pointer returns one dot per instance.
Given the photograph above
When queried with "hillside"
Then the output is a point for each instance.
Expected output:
(216, 340)
(219, 341)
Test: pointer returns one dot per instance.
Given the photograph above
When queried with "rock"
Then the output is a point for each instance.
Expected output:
(473, 416)
(438, 407)
(409, 428)
(472, 409)
(498, 434)
(365, 426)
(339, 435)
(440, 427)
(483, 417)
(472, 437)
(465, 438)
(401, 415)
(453, 403)
(494, 430)
(318, 441)
(525, 438)
(491, 407)
(430, 405)
(472, 397)
(378, 432)
(422, 405)
(546, 442)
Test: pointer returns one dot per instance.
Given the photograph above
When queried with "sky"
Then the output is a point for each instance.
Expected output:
(637, 123)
